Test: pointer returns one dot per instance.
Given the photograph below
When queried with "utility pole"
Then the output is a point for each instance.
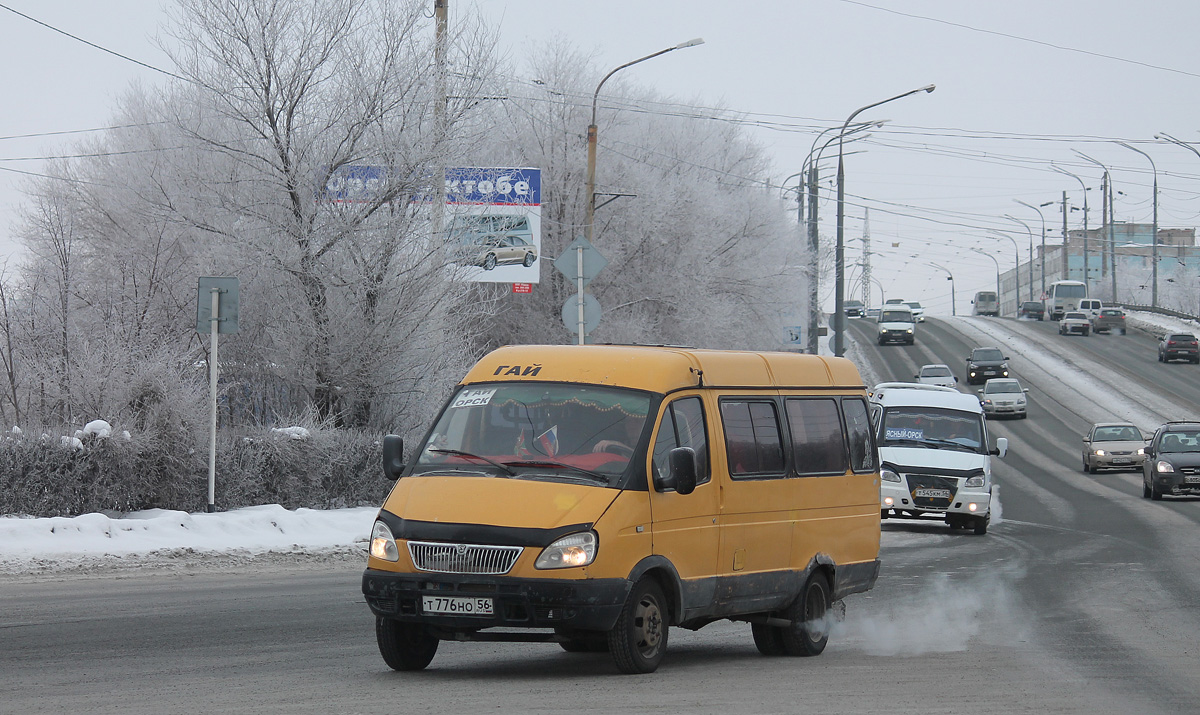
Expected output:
(438, 195)
(1112, 239)
(1066, 269)
(866, 274)
(814, 308)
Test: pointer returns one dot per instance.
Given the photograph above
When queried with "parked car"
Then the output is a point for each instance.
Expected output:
(1113, 445)
(917, 309)
(1004, 396)
(1032, 309)
(936, 374)
(1091, 307)
(853, 308)
(1074, 323)
(1178, 346)
(1110, 319)
(985, 363)
(1172, 464)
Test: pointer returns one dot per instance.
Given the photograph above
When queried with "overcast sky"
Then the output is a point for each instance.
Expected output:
(1019, 84)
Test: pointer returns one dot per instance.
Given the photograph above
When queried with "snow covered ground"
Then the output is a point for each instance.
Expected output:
(167, 539)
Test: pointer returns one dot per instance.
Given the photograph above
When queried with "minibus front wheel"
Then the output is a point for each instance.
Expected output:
(638, 640)
(809, 614)
(404, 646)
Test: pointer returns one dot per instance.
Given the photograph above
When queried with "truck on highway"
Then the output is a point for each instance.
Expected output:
(1064, 297)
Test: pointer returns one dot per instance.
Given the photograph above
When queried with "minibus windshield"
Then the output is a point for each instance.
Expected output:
(931, 427)
(537, 430)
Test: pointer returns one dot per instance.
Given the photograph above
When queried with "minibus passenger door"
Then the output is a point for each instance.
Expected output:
(685, 529)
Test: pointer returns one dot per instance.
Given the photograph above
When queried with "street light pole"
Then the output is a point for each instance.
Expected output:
(590, 189)
(590, 185)
(950, 277)
(1083, 186)
(1112, 236)
(1016, 270)
(1030, 232)
(839, 316)
(985, 253)
(1043, 255)
(1154, 231)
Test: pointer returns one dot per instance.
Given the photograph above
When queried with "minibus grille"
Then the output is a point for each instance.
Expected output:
(463, 558)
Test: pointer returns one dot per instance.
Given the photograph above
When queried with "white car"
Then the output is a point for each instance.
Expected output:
(937, 374)
(917, 309)
(1004, 396)
(933, 454)
(896, 325)
(1074, 322)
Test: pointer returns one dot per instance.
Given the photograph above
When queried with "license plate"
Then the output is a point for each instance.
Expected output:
(458, 605)
(1121, 460)
(932, 493)
(1191, 480)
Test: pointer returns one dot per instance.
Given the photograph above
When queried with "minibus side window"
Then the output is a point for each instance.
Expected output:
(752, 437)
(817, 440)
(858, 429)
(682, 426)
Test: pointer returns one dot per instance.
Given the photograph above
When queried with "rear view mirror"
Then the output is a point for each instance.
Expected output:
(683, 469)
(393, 456)
(1001, 447)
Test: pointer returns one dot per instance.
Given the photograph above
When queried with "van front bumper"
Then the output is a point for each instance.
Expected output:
(896, 498)
(586, 604)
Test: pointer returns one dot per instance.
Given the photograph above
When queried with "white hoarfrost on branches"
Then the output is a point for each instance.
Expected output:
(99, 429)
(291, 432)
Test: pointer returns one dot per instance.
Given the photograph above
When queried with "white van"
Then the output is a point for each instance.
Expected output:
(1091, 307)
(934, 454)
(897, 324)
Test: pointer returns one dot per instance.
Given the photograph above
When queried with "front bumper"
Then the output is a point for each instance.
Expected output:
(895, 336)
(1176, 482)
(1117, 461)
(587, 604)
(896, 497)
(1000, 410)
(981, 374)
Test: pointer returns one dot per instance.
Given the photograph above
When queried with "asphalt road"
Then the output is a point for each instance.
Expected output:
(1084, 598)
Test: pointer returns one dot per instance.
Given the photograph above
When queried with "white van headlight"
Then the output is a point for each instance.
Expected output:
(383, 546)
(568, 552)
(975, 482)
(888, 475)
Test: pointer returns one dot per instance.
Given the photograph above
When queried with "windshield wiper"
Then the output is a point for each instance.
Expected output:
(547, 463)
(468, 455)
(933, 444)
(952, 444)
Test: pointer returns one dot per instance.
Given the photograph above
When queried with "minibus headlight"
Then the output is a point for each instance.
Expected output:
(1141, 451)
(1162, 466)
(888, 475)
(974, 482)
(383, 546)
(568, 552)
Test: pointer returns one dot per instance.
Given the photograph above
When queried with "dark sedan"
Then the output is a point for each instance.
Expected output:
(1172, 463)
(986, 363)
(1178, 346)
(1032, 310)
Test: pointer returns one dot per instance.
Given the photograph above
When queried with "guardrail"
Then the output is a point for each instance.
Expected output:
(1160, 311)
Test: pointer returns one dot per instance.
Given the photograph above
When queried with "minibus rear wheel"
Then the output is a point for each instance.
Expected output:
(809, 614)
(404, 646)
(638, 640)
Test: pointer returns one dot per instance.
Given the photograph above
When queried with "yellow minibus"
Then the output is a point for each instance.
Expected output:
(596, 496)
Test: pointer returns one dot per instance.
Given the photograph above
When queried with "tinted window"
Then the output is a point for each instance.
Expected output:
(752, 437)
(988, 354)
(1179, 442)
(1182, 337)
(912, 426)
(682, 426)
(817, 441)
(858, 431)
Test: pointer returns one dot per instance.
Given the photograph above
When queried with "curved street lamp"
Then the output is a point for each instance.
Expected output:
(1016, 267)
(1112, 236)
(1030, 232)
(1066, 263)
(1154, 231)
(592, 131)
(839, 317)
(949, 277)
(1038, 208)
(982, 252)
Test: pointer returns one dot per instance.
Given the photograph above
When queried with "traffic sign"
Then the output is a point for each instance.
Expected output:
(226, 307)
(591, 313)
(568, 262)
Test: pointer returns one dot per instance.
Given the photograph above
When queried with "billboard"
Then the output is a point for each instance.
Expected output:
(493, 223)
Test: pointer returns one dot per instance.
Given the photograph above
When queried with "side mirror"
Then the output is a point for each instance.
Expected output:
(1007, 357)
(393, 456)
(1084, 439)
(1001, 447)
(917, 377)
(1025, 389)
(956, 379)
(980, 391)
(683, 469)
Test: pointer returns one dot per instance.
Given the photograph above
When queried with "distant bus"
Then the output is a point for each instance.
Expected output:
(1064, 296)
(986, 303)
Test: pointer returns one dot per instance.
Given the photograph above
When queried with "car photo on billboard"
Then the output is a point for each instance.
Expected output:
(489, 240)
